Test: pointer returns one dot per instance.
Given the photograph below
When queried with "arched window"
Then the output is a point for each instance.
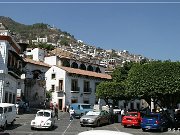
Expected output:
(82, 66)
(90, 68)
(66, 63)
(74, 65)
(98, 70)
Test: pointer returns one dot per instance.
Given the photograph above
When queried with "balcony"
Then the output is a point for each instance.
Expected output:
(75, 90)
(87, 91)
(58, 89)
(14, 71)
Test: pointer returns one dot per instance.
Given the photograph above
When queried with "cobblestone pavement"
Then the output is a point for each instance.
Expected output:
(66, 127)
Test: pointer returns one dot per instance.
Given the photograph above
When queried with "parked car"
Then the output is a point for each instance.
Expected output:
(95, 118)
(177, 120)
(132, 119)
(81, 108)
(155, 121)
(44, 119)
(103, 132)
(7, 114)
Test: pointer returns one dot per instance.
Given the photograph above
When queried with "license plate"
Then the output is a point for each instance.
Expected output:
(148, 127)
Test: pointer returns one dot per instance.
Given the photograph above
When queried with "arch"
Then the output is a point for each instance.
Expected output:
(65, 63)
(82, 66)
(74, 65)
(90, 68)
(97, 70)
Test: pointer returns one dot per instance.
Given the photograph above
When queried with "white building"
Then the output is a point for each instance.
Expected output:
(37, 54)
(70, 85)
(35, 88)
(11, 65)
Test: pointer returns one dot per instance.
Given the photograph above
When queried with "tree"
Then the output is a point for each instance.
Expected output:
(157, 80)
(110, 90)
(121, 72)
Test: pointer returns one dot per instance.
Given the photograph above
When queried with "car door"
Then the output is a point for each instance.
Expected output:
(103, 117)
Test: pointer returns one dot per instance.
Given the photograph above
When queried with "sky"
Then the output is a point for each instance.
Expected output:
(150, 28)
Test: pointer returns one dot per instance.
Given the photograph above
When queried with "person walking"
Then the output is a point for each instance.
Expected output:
(56, 111)
(71, 113)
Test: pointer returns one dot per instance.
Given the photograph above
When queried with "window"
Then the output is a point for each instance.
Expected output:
(74, 100)
(6, 97)
(86, 101)
(74, 85)
(13, 98)
(53, 87)
(60, 84)
(53, 76)
(138, 106)
(96, 84)
(132, 106)
(86, 86)
(10, 98)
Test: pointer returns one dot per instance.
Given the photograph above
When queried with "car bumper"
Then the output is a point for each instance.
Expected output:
(40, 127)
(150, 126)
(88, 123)
(126, 123)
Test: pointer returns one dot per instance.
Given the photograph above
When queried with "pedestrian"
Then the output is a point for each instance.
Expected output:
(56, 112)
(17, 108)
(71, 113)
(67, 108)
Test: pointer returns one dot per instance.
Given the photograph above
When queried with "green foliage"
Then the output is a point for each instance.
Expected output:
(48, 94)
(110, 90)
(46, 46)
(121, 73)
(158, 80)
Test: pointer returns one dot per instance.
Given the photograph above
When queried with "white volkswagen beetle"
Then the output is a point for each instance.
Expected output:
(44, 119)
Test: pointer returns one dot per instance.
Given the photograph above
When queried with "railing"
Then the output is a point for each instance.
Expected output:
(87, 91)
(75, 90)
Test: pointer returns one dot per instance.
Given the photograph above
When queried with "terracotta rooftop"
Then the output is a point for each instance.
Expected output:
(87, 73)
(36, 62)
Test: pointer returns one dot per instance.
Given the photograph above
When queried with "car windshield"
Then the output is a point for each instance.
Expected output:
(151, 116)
(132, 114)
(46, 114)
(86, 106)
(91, 113)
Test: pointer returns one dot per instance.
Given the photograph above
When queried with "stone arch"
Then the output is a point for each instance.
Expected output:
(97, 70)
(65, 63)
(90, 68)
(74, 65)
(82, 66)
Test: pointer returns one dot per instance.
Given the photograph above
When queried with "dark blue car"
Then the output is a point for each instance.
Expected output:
(154, 121)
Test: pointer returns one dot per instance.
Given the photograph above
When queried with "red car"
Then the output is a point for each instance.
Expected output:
(132, 119)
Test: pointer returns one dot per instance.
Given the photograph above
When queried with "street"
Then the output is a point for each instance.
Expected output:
(66, 127)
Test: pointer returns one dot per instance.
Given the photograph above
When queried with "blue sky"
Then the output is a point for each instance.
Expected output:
(149, 29)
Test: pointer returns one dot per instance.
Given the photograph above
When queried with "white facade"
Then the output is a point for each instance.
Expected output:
(36, 53)
(10, 66)
(61, 83)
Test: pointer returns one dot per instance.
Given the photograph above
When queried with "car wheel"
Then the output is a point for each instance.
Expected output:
(143, 129)
(5, 125)
(12, 123)
(51, 127)
(98, 123)
(82, 125)
(109, 121)
(161, 129)
(32, 128)
(125, 126)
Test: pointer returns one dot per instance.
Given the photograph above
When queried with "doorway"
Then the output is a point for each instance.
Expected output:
(60, 104)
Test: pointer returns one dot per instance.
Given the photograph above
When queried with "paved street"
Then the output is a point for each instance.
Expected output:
(65, 127)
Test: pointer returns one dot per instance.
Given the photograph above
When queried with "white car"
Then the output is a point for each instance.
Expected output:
(44, 119)
(103, 132)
